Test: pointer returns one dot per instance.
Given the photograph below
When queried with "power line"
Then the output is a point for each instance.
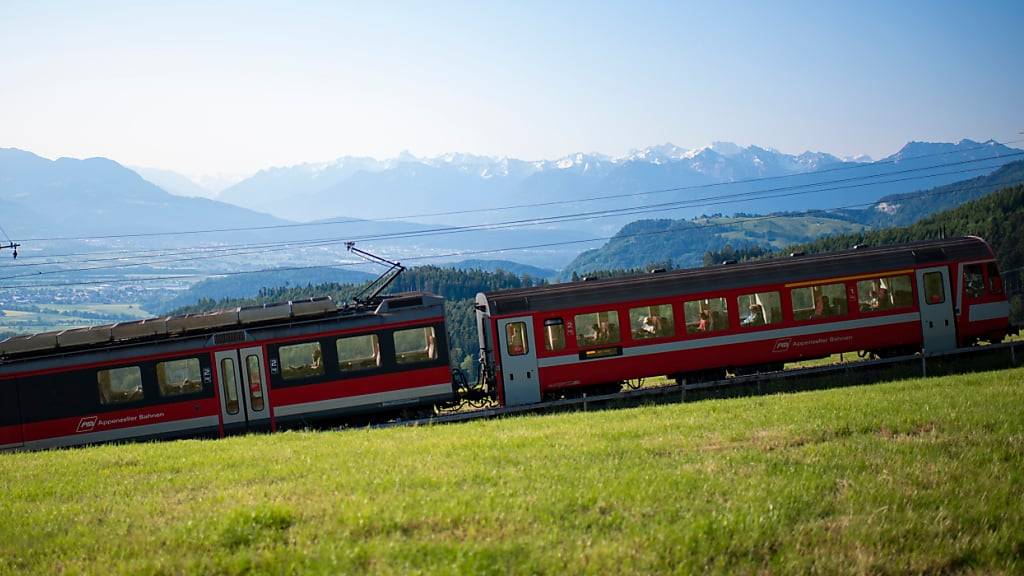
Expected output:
(695, 202)
(529, 205)
(663, 207)
(492, 250)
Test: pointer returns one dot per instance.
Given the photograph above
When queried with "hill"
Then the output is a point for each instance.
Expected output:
(683, 243)
(508, 266)
(914, 477)
(97, 196)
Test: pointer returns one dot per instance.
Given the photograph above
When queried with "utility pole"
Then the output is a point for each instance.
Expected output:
(12, 245)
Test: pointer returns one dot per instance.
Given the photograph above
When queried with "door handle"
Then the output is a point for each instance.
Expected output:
(511, 376)
(528, 374)
(931, 324)
(947, 322)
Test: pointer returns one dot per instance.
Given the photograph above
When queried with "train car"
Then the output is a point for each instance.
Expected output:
(561, 339)
(231, 371)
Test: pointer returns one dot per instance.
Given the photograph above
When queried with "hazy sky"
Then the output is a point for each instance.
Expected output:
(234, 87)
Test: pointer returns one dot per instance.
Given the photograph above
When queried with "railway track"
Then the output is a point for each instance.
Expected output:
(1007, 354)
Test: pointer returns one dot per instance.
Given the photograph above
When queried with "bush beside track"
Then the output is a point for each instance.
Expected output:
(911, 476)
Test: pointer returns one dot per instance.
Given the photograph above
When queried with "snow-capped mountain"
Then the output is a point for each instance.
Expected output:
(368, 188)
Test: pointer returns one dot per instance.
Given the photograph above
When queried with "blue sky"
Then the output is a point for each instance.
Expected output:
(234, 87)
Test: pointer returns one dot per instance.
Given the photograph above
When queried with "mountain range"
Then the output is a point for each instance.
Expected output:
(410, 186)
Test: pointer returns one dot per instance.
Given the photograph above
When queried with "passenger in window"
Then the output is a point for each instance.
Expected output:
(604, 332)
(705, 321)
(883, 298)
(820, 306)
(651, 325)
(755, 317)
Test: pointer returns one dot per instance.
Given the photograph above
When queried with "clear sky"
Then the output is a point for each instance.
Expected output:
(234, 87)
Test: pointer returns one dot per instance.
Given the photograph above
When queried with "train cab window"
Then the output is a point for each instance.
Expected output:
(300, 361)
(415, 345)
(254, 372)
(554, 334)
(179, 377)
(817, 302)
(707, 315)
(884, 293)
(516, 343)
(597, 328)
(230, 385)
(358, 352)
(759, 309)
(652, 321)
(934, 291)
(974, 281)
(995, 282)
(120, 385)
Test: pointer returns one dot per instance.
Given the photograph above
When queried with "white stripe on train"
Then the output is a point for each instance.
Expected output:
(394, 396)
(990, 311)
(760, 335)
(124, 433)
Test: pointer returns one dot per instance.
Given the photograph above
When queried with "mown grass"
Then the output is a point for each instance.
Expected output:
(918, 476)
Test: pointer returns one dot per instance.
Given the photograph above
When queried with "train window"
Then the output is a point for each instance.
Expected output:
(597, 328)
(974, 281)
(760, 309)
(652, 321)
(358, 352)
(884, 293)
(255, 374)
(120, 385)
(554, 334)
(934, 291)
(816, 302)
(707, 315)
(230, 385)
(415, 345)
(515, 339)
(179, 377)
(300, 361)
(995, 283)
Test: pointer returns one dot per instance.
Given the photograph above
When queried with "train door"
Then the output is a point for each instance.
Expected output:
(934, 294)
(518, 361)
(243, 390)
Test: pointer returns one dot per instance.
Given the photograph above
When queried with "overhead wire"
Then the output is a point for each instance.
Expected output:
(661, 207)
(493, 250)
(528, 205)
(247, 248)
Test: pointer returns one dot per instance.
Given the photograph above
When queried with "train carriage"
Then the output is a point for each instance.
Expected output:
(256, 368)
(695, 324)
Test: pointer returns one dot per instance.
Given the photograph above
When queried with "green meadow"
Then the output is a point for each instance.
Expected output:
(914, 476)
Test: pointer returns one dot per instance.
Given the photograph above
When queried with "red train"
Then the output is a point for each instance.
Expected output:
(560, 339)
(238, 370)
(263, 368)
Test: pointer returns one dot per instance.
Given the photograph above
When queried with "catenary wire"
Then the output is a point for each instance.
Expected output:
(474, 210)
(487, 251)
(663, 207)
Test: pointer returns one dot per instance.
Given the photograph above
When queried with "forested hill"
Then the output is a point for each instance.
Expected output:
(905, 209)
(458, 287)
(998, 218)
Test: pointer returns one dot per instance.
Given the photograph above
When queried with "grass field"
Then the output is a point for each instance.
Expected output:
(918, 476)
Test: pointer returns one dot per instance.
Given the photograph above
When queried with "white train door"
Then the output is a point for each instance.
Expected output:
(518, 361)
(243, 388)
(937, 326)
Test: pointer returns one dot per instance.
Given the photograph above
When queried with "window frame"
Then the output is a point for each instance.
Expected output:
(131, 400)
(431, 357)
(942, 292)
(322, 366)
(613, 340)
(777, 319)
(700, 301)
(377, 357)
(637, 332)
(845, 313)
(160, 385)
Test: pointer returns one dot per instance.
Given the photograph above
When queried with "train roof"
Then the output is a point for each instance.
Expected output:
(232, 320)
(858, 260)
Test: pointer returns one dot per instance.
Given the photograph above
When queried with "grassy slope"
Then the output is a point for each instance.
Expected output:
(919, 476)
